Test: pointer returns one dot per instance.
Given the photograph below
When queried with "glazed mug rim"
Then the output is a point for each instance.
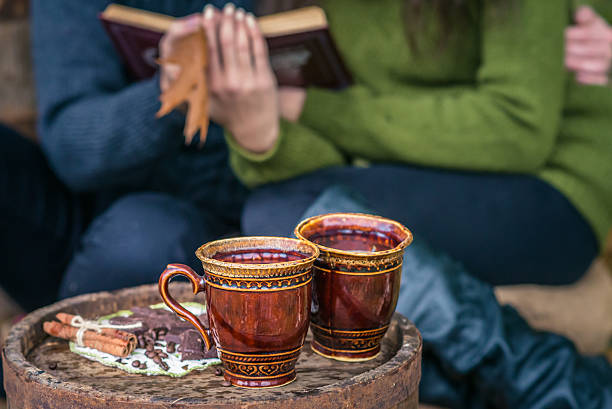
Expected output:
(255, 268)
(365, 254)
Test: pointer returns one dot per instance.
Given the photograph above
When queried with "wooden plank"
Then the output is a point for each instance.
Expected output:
(389, 381)
(14, 9)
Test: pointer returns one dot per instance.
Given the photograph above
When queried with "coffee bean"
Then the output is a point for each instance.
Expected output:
(226, 383)
(157, 359)
(152, 334)
(161, 337)
(185, 367)
(150, 354)
(163, 354)
(53, 366)
(218, 371)
(141, 341)
(149, 340)
(150, 348)
(162, 331)
(158, 351)
(143, 365)
(136, 363)
(164, 366)
(171, 348)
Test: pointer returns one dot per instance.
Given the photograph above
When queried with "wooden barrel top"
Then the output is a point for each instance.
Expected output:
(389, 381)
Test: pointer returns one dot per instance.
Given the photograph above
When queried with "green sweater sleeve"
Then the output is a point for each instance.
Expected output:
(298, 150)
(506, 121)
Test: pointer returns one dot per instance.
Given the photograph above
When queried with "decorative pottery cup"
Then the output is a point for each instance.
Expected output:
(258, 297)
(356, 281)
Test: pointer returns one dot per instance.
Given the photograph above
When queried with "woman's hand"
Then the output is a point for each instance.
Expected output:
(243, 90)
(180, 28)
(588, 49)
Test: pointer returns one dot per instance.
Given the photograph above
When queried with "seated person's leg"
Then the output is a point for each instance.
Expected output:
(474, 350)
(506, 229)
(134, 239)
(40, 222)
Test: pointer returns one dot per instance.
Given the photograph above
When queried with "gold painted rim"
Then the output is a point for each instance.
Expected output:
(259, 278)
(342, 358)
(265, 387)
(261, 363)
(254, 269)
(270, 354)
(341, 331)
(293, 287)
(346, 351)
(360, 254)
(351, 273)
(257, 377)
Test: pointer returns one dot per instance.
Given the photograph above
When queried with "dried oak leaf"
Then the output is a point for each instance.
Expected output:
(190, 54)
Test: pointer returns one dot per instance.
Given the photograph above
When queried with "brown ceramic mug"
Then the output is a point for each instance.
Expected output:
(258, 297)
(356, 281)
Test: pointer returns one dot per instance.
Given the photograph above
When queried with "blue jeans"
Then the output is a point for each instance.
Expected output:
(53, 240)
(476, 353)
(40, 223)
(48, 232)
(505, 229)
(134, 239)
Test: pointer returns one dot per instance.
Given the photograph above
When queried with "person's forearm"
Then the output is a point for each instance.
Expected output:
(461, 128)
(298, 150)
(105, 140)
(96, 128)
(505, 118)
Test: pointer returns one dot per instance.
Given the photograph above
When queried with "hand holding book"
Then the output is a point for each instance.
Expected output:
(243, 89)
(243, 95)
(300, 52)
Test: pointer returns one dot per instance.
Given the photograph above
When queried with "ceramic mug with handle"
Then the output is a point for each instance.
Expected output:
(258, 298)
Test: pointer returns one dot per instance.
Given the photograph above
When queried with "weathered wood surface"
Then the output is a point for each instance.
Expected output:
(389, 381)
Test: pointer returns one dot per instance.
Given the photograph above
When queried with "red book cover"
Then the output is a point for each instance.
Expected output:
(307, 58)
(137, 47)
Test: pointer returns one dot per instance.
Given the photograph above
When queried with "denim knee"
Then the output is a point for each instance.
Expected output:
(133, 240)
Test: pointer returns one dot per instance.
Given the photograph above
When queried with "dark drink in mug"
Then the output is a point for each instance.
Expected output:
(356, 281)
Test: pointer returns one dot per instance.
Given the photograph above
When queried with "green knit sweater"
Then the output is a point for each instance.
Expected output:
(495, 98)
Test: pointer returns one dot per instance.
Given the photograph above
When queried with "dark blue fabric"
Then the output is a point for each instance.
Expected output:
(477, 354)
(156, 199)
(40, 223)
(506, 229)
(134, 239)
(99, 130)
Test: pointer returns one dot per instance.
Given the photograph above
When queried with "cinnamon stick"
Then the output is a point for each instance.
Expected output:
(91, 339)
(110, 332)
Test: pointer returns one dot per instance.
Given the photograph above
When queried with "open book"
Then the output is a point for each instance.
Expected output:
(302, 51)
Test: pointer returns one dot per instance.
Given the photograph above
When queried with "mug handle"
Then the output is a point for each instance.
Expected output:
(197, 283)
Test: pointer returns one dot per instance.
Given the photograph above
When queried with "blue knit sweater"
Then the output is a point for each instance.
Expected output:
(99, 131)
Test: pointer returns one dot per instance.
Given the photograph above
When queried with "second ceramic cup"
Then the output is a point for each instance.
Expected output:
(356, 281)
(258, 297)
